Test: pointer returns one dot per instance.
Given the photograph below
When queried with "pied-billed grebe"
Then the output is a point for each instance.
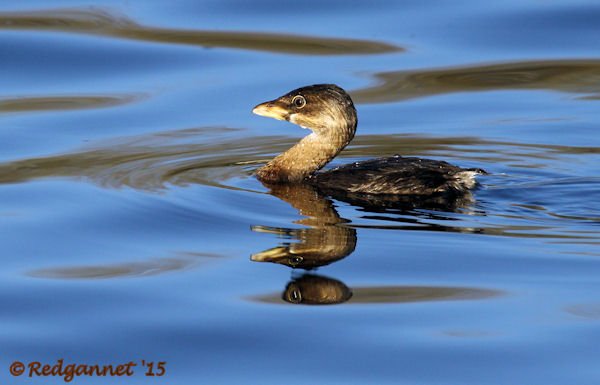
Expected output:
(328, 111)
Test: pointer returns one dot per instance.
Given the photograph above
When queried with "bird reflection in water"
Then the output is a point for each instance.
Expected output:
(328, 238)
(312, 289)
(325, 240)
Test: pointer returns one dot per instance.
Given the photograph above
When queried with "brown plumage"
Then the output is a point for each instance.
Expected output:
(328, 111)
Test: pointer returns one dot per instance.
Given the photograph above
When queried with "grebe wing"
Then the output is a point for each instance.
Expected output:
(397, 175)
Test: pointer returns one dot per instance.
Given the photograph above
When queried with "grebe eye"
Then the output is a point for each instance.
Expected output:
(298, 101)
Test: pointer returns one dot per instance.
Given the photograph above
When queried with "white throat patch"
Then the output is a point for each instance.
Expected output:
(292, 119)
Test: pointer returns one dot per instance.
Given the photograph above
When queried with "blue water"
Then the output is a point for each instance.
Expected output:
(131, 225)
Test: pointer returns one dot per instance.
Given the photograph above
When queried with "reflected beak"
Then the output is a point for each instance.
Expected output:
(270, 255)
(271, 110)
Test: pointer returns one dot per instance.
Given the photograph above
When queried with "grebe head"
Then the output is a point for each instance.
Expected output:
(328, 111)
(324, 108)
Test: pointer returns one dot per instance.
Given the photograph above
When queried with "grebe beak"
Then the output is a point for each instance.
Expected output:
(271, 110)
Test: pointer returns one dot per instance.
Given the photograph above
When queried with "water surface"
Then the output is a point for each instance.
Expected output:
(132, 227)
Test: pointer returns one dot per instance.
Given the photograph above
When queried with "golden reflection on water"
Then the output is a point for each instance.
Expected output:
(96, 21)
(573, 76)
(147, 162)
(64, 102)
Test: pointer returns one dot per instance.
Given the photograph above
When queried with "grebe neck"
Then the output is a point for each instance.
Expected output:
(309, 155)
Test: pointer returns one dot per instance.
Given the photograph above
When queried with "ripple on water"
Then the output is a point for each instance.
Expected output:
(182, 261)
(215, 156)
(96, 21)
(65, 102)
(580, 76)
